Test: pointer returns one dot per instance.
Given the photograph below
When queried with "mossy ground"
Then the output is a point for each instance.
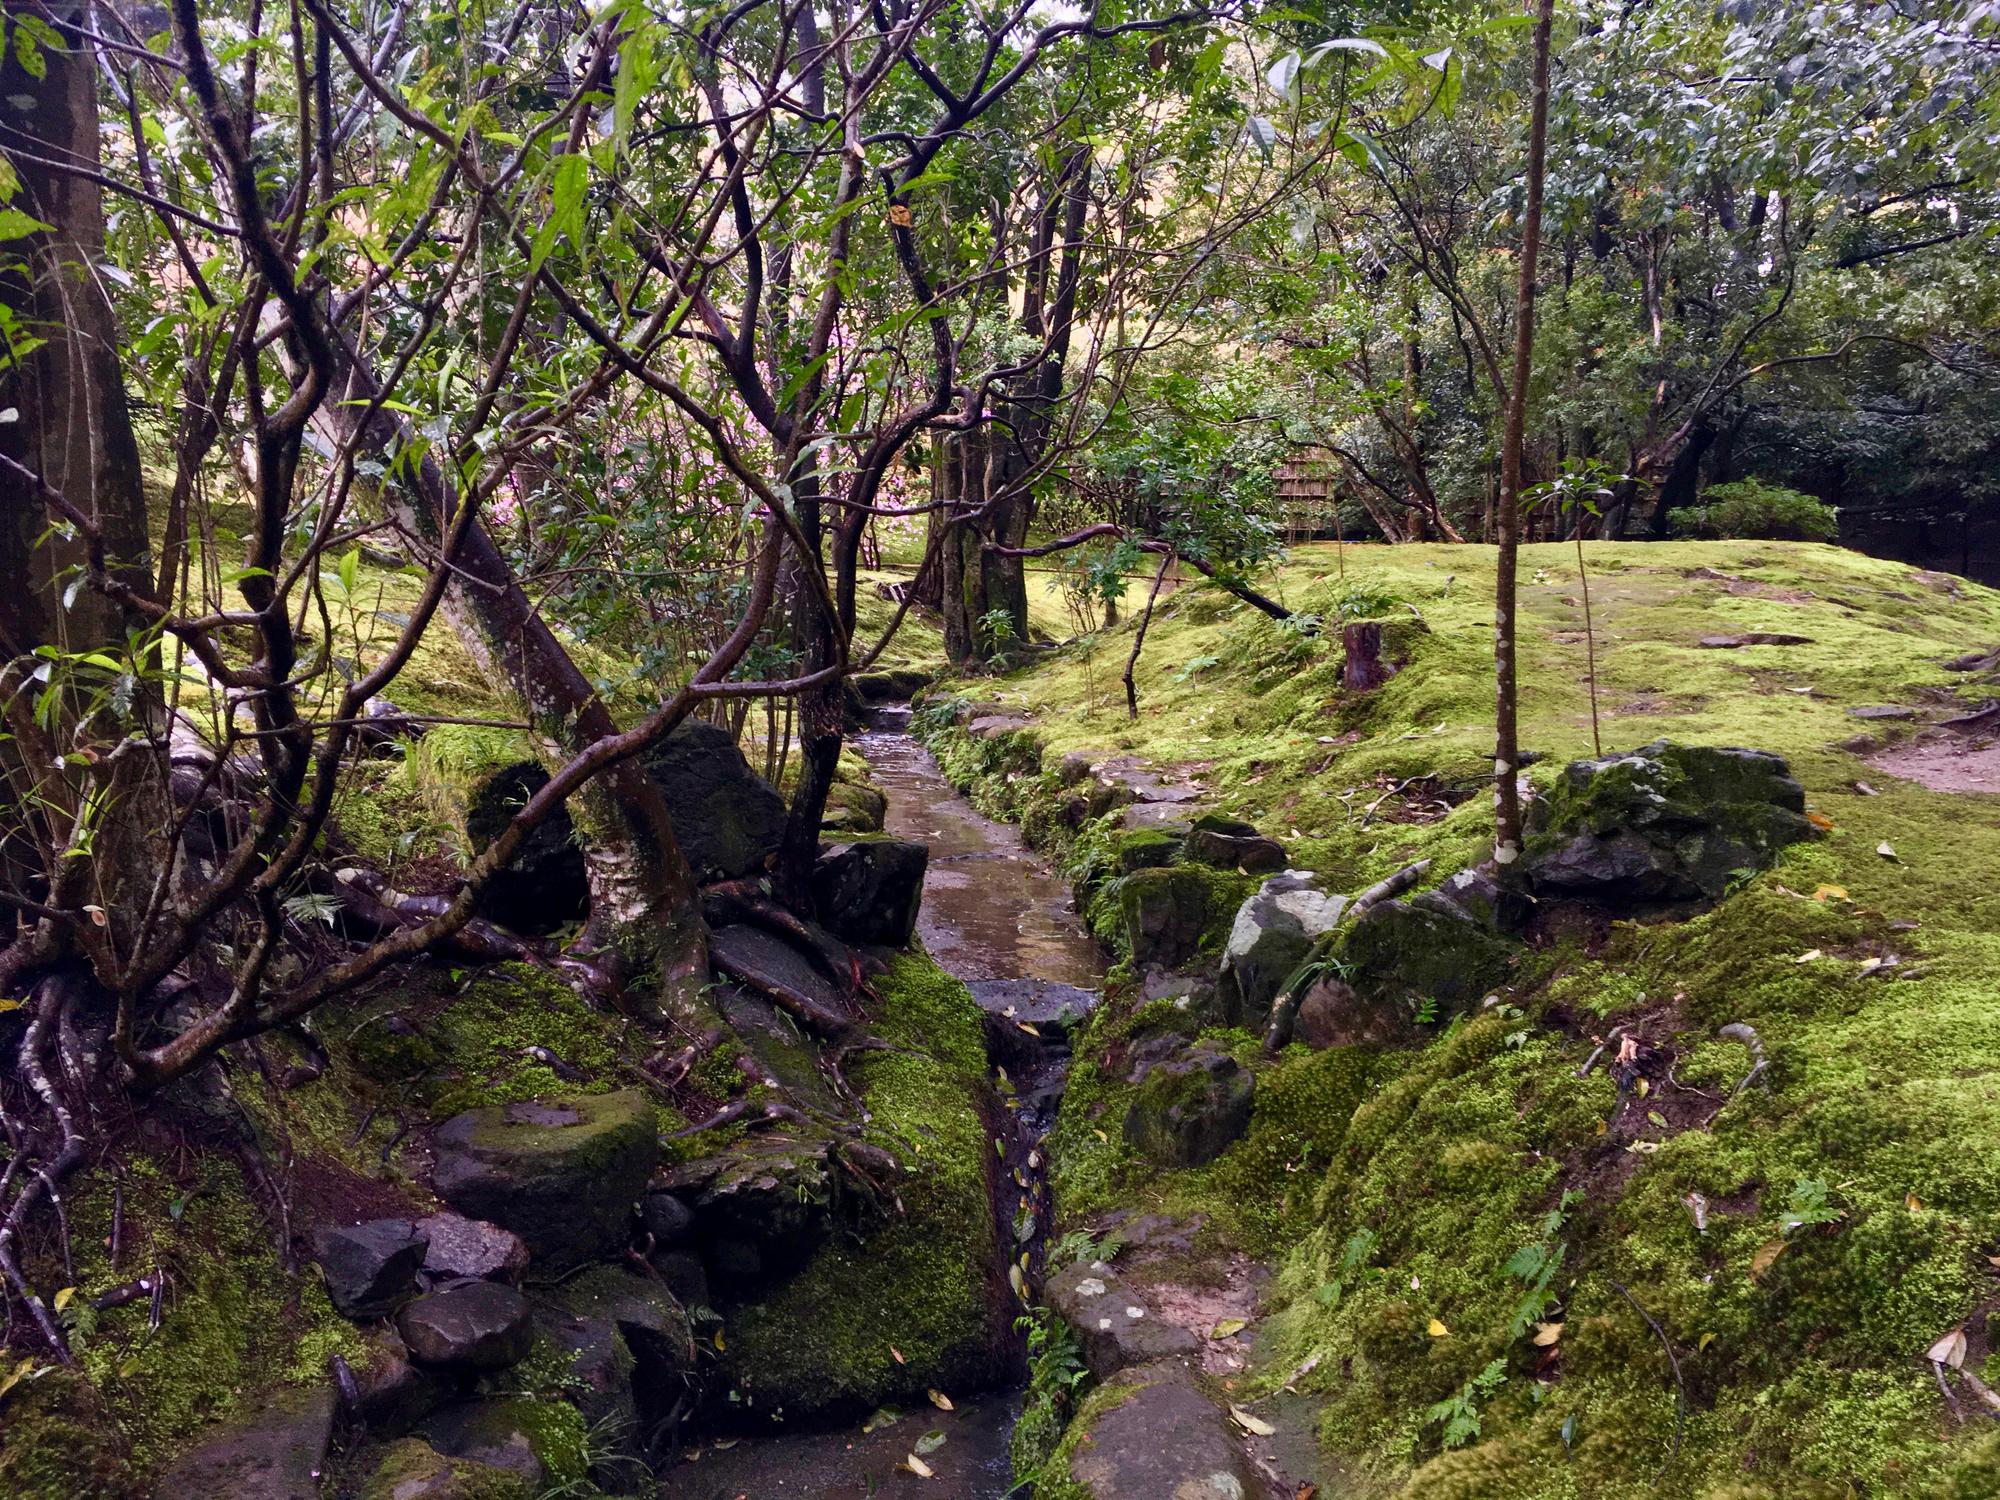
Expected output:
(912, 1305)
(1800, 1350)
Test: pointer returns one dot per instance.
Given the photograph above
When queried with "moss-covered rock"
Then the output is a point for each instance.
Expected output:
(1169, 915)
(411, 1469)
(1189, 1109)
(563, 1174)
(57, 1441)
(919, 1281)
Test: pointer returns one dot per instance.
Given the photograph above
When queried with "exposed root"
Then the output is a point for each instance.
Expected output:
(1744, 1032)
(752, 1112)
(808, 1012)
(1680, 1385)
(669, 1071)
(38, 1167)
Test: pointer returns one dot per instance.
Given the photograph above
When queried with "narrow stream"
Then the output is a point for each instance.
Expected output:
(997, 917)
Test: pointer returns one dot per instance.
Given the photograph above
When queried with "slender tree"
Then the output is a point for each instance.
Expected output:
(1507, 835)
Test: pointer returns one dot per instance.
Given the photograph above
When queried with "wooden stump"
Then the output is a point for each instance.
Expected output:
(1365, 670)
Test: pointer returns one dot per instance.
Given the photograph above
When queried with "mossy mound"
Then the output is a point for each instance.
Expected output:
(910, 1302)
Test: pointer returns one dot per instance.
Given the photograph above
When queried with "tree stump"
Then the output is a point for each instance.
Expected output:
(1365, 670)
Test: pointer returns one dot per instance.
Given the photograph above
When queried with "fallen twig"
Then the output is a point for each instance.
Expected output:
(1680, 1385)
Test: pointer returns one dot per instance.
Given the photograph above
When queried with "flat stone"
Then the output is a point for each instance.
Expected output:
(767, 961)
(275, 1452)
(1169, 815)
(474, 1325)
(1112, 1322)
(1039, 1002)
(993, 726)
(1873, 711)
(472, 1249)
(561, 1174)
(1166, 1441)
(1253, 854)
(371, 1268)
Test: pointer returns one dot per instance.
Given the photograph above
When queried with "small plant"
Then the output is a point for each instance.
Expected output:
(1353, 1270)
(1357, 601)
(1055, 1371)
(1582, 483)
(997, 626)
(1808, 1206)
(1751, 509)
(1460, 1412)
(1081, 1245)
(1536, 1265)
(1195, 666)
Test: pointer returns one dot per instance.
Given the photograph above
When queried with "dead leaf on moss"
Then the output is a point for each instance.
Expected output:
(1886, 849)
(1547, 1333)
(1436, 1329)
(1830, 893)
(1820, 820)
(1251, 1423)
(1949, 1349)
(1765, 1258)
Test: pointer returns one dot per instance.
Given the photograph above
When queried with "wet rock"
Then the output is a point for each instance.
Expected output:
(853, 807)
(1112, 1322)
(561, 1174)
(411, 1469)
(766, 962)
(667, 1219)
(474, 1325)
(1253, 854)
(1165, 1441)
(869, 891)
(726, 817)
(370, 1269)
(682, 1273)
(596, 1368)
(495, 1434)
(1166, 912)
(1191, 1108)
(1272, 934)
(761, 1209)
(1665, 824)
(1046, 1004)
(648, 1318)
(275, 1452)
(391, 1393)
(471, 1249)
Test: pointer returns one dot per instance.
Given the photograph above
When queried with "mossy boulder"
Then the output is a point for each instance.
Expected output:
(726, 817)
(1269, 938)
(563, 1174)
(870, 890)
(1664, 824)
(1147, 849)
(759, 1209)
(1166, 916)
(1411, 958)
(540, 1441)
(411, 1469)
(58, 1443)
(1191, 1108)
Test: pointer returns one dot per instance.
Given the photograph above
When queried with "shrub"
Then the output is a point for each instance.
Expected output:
(1751, 509)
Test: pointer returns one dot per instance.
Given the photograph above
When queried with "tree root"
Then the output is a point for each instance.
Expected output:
(1744, 1032)
(669, 1071)
(41, 1181)
(1680, 1385)
(808, 1012)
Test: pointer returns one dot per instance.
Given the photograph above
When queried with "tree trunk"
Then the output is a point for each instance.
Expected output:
(1507, 832)
(645, 918)
(71, 428)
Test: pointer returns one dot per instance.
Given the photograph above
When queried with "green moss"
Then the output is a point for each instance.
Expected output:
(918, 1281)
(57, 1442)
(412, 1460)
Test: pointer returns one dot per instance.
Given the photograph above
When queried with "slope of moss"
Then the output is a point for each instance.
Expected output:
(1796, 1247)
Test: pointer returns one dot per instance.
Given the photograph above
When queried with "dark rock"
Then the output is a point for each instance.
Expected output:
(648, 1318)
(1166, 912)
(682, 1273)
(1189, 1109)
(411, 1469)
(1882, 711)
(497, 1434)
(1400, 959)
(1112, 1322)
(1665, 824)
(563, 1175)
(890, 685)
(462, 1249)
(1164, 1440)
(276, 1452)
(1273, 932)
(1222, 823)
(760, 1209)
(392, 1394)
(1253, 854)
(543, 885)
(596, 1373)
(1167, 815)
(726, 817)
(1333, 1014)
(370, 1269)
(1476, 897)
(869, 891)
(1046, 1004)
(473, 1325)
(766, 962)
(667, 1219)
(1076, 766)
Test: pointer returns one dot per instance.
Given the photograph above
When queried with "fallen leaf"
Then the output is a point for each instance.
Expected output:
(7, 1005)
(1547, 1333)
(1948, 1350)
(1820, 820)
(1027, 1028)
(1019, 1282)
(940, 1400)
(723, 1445)
(1644, 1087)
(918, 1467)
(1100, 1135)
(720, 1346)
(63, 1297)
(1437, 1330)
(1766, 1257)
(1830, 893)
(930, 1442)
(1808, 956)
(1703, 1342)
(1306, 1492)
(1910, 1201)
(897, 1355)
(1251, 1423)
(15, 1376)
(1228, 1328)
(882, 1416)
(1865, 789)
(1886, 849)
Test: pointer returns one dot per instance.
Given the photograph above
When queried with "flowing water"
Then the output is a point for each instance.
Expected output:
(997, 917)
